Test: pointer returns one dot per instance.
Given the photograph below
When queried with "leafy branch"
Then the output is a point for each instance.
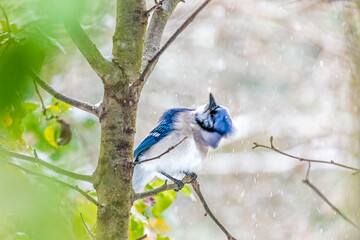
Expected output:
(196, 186)
(71, 101)
(307, 181)
(50, 166)
(76, 187)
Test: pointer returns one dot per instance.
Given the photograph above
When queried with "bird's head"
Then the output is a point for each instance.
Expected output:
(214, 121)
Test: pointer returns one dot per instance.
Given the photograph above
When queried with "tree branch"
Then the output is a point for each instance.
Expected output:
(54, 168)
(76, 188)
(143, 237)
(271, 147)
(166, 152)
(196, 187)
(151, 193)
(307, 181)
(89, 50)
(149, 66)
(154, 7)
(165, 187)
(73, 102)
(86, 227)
(156, 28)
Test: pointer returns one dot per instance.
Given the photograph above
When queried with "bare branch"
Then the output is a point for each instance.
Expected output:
(308, 171)
(143, 237)
(88, 49)
(271, 147)
(73, 102)
(307, 182)
(163, 188)
(86, 226)
(76, 188)
(166, 152)
(196, 187)
(154, 7)
(54, 168)
(150, 64)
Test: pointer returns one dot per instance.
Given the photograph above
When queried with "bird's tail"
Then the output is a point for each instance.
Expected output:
(140, 178)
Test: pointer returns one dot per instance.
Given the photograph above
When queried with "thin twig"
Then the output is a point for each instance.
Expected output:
(71, 101)
(143, 237)
(44, 110)
(157, 4)
(166, 152)
(167, 44)
(196, 187)
(76, 187)
(54, 168)
(308, 171)
(39, 95)
(271, 147)
(307, 182)
(86, 226)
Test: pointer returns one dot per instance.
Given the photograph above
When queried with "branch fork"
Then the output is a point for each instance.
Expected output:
(307, 181)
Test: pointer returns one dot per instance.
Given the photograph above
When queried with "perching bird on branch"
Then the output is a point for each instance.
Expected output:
(192, 132)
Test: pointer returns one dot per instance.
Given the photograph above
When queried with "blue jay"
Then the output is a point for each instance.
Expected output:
(202, 128)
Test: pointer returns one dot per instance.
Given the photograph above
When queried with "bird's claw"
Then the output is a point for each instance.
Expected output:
(190, 177)
(180, 185)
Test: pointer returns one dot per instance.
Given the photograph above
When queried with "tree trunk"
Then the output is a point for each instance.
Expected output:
(112, 178)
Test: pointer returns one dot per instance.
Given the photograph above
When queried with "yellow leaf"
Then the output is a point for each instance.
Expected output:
(54, 107)
(159, 225)
(49, 134)
(8, 120)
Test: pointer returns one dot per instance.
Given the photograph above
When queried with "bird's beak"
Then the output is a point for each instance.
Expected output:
(212, 103)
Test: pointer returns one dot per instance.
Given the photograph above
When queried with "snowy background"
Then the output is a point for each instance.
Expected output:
(283, 68)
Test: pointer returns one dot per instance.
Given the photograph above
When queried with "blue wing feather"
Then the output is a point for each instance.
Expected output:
(166, 123)
(155, 136)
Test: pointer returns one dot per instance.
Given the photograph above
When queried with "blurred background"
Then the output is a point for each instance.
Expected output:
(287, 69)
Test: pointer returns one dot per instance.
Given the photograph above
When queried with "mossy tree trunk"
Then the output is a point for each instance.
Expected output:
(112, 178)
(117, 114)
(134, 45)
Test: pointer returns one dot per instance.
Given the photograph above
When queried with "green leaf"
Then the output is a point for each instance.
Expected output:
(14, 28)
(136, 229)
(163, 201)
(4, 26)
(162, 238)
(186, 190)
(49, 134)
(140, 206)
(30, 106)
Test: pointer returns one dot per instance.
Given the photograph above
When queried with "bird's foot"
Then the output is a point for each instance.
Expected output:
(179, 183)
(176, 181)
(190, 177)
